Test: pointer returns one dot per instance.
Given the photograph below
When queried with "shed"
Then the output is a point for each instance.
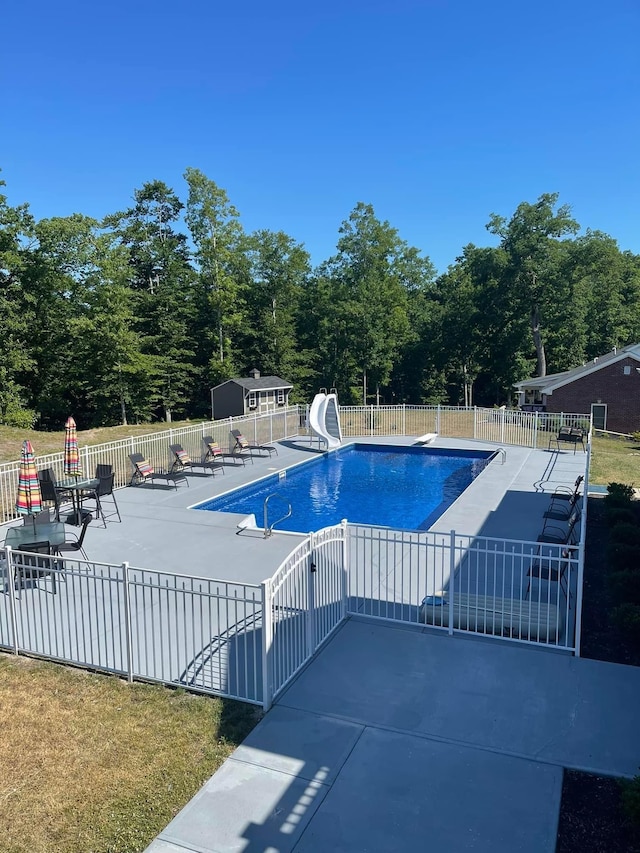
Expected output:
(608, 388)
(244, 396)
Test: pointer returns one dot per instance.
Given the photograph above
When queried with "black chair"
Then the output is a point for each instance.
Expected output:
(552, 571)
(50, 493)
(183, 462)
(242, 445)
(100, 495)
(75, 544)
(32, 566)
(144, 472)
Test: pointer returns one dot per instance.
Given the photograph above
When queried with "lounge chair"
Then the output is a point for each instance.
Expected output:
(565, 493)
(561, 510)
(552, 571)
(242, 445)
(144, 472)
(214, 453)
(183, 462)
(554, 535)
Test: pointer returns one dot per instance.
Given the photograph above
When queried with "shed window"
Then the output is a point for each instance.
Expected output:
(280, 396)
(627, 370)
(252, 400)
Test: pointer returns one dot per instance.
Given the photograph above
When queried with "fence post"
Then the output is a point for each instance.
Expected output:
(503, 412)
(127, 621)
(267, 641)
(535, 432)
(438, 420)
(404, 419)
(475, 421)
(345, 568)
(86, 459)
(452, 571)
(11, 589)
(311, 596)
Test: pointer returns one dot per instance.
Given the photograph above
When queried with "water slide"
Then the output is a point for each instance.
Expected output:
(324, 419)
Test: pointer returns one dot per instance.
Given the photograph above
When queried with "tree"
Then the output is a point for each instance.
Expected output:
(279, 269)
(528, 240)
(371, 278)
(163, 283)
(216, 232)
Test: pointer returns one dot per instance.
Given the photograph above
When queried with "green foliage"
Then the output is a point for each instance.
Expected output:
(627, 617)
(620, 515)
(135, 318)
(631, 801)
(625, 585)
(618, 495)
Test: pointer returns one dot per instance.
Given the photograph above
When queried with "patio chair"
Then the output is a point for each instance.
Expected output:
(242, 445)
(562, 510)
(183, 462)
(552, 571)
(51, 493)
(144, 472)
(76, 544)
(102, 495)
(214, 453)
(554, 535)
(30, 565)
(568, 435)
(565, 493)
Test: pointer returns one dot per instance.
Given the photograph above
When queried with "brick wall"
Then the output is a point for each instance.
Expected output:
(609, 385)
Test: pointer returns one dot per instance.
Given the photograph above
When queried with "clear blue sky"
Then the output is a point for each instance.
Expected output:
(437, 112)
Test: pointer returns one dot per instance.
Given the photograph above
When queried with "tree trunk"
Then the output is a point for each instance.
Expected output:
(167, 415)
(123, 409)
(377, 395)
(364, 387)
(541, 368)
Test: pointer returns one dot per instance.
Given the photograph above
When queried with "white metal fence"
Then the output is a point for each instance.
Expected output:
(147, 625)
(259, 429)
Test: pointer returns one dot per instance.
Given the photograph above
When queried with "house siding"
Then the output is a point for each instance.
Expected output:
(228, 401)
(609, 385)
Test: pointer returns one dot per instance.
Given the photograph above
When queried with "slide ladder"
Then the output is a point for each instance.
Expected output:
(324, 419)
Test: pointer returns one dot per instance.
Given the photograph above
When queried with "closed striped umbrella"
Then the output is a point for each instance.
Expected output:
(71, 455)
(29, 500)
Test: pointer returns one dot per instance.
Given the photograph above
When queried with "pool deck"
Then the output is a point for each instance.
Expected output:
(159, 531)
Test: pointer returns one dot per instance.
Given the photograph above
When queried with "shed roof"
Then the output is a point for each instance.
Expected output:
(549, 383)
(261, 383)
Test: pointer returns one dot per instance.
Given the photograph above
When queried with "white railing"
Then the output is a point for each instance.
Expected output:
(259, 429)
(306, 598)
(505, 426)
(144, 625)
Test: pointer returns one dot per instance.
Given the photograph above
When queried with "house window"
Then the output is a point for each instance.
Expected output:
(627, 370)
(252, 400)
(280, 396)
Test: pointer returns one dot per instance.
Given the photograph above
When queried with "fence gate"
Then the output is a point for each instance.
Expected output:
(304, 603)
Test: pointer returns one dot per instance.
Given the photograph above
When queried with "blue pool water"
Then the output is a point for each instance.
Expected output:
(405, 487)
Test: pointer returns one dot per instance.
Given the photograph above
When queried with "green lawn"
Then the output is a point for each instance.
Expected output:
(615, 460)
(92, 764)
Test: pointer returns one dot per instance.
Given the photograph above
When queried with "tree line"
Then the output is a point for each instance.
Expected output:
(136, 317)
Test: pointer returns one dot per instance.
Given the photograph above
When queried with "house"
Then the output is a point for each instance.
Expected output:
(255, 394)
(608, 388)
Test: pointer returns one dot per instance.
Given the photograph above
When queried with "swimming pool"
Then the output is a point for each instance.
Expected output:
(403, 487)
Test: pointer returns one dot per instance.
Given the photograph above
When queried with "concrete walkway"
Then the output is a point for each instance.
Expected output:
(398, 739)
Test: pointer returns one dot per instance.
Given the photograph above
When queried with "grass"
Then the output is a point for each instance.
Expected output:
(615, 460)
(11, 438)
(93, 764)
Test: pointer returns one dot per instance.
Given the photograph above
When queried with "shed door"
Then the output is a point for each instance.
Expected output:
(599, 415)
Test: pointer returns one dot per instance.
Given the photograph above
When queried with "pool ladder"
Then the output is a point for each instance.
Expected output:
(268, 528)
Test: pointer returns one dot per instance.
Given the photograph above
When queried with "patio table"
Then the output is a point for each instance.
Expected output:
(77, 486)
(52, 532)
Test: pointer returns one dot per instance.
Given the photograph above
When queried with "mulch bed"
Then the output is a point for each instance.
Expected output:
(591, 816)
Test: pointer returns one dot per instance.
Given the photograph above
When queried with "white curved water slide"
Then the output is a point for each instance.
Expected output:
(324, 419)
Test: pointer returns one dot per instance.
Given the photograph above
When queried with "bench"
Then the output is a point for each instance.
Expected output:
(427, 438)
(487, 614)
(569, 435)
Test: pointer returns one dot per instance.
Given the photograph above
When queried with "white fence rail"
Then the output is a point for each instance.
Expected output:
(259, 429)
(145, 625)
